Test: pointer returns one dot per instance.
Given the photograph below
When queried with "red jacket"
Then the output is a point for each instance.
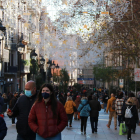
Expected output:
(41, 119)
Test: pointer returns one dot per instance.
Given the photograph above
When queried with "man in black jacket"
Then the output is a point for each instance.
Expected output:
(94, 113)
(12, 104)
(105, 99)
(21, 111)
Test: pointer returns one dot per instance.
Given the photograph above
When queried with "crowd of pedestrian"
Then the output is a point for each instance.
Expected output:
(44, 114)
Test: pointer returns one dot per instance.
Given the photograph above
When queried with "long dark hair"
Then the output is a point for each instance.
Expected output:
(52, 98)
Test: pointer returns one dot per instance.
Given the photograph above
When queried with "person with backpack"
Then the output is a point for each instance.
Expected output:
(112, 112)
(130, 116)
(84, 109)
(118, 107)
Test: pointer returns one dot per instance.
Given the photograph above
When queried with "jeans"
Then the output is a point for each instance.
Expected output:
(83, 123)
(19, 137)
(120, 119)
(94, 122)
(70, 116)
(105, 105)
(57, 137)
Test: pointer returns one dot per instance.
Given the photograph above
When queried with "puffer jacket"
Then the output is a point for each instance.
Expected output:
(69, 107)
(109, 104)
(84, 111)
(41, 119)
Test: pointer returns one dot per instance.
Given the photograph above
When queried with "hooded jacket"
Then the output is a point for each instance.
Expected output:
(69, 107)
(84, 111)
(133, 120)
(109, 104)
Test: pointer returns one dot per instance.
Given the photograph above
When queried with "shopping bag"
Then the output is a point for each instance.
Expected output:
(123, 129)
(79, 115)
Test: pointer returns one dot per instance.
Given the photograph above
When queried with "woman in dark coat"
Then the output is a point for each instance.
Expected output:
(130, 122)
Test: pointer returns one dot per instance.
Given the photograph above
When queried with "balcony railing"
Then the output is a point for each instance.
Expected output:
(25, 69)
(10, 69)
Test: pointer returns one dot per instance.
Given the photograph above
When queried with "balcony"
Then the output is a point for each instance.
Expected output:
(10, 69)
(25, 69)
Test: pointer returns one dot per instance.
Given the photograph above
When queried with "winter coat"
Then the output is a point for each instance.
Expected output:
(133, 120)
(1, 104)
(3, 128)
(12, 102)
(41, 119)
(105, 98)
(109, 104)
(21, 111)
(69, 107)
(95, 108)
(77, 102)
(118, 106)
(85, 111)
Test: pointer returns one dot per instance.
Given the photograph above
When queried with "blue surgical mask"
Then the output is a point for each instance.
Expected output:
(45, 95)
(28, 93)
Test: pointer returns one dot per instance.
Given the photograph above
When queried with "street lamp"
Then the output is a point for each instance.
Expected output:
(42, 61)
(33, 55)
(33, 58)
(21, 48)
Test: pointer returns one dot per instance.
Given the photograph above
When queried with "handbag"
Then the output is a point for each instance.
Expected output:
(123, 129)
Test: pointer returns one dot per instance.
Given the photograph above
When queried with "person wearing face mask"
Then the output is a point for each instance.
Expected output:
(21, 111)
(12, 104)
(47, 117)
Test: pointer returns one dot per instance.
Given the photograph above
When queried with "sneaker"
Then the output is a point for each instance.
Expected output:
(108, 126)
(81, 132)
(129, 139)
(13, 124)
(115, 128)
(70, 125)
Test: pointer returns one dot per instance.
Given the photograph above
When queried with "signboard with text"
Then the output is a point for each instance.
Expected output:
(121, 81)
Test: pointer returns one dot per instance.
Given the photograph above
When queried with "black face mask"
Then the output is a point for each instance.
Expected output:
(45, 95)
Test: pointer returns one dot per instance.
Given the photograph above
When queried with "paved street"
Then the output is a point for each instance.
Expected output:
(74, 133)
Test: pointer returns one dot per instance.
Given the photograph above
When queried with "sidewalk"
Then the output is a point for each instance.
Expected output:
(74, 133)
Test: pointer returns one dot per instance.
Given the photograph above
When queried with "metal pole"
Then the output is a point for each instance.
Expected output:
(135, 81)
